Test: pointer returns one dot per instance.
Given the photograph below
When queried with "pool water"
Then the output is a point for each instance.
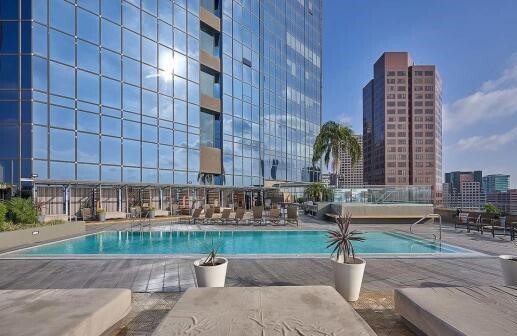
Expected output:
(235, 242)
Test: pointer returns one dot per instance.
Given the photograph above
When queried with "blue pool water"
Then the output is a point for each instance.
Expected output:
(235, 242)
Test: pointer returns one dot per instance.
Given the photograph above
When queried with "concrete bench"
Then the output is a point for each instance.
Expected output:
(302, 310)
(161, 213)
(60, 312)
(115, 215)
(54, 217)
(455, 311)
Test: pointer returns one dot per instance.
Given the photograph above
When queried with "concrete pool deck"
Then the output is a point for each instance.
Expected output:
(158, 283)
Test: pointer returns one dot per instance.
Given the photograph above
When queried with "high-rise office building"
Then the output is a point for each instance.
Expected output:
(350, 175)
(496, 183)
(402, 124)
(158, 92)
(463, 189)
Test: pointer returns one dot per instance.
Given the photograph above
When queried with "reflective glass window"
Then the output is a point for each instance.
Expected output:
(39, 73)
(149, 103)
(131, 98)
(149, 175)
(88, 86)
(87, 122)
(166, 136)
(111, 10)
(180, 17)
(62, 79)
(193, 25)
(110, 150)
(110, 64)
(111, 126)
(149, 52)
(62, 16)
(165, 10)
(131, 71)
(180, 41)
(40, 142)
(9, 37)
(62, 171)
(131, 174)
(193, 47)
(39, 113)
(87, 56)
(39, 39)
(149, 133)
(180, 87)
(110, 92)
(180, 64)
(131, 16)
(92, 5)
(193, 160)
(110, 173)
(166, 108)
(149, 26)
(110, 35)
(180, 139)
(62, 145)
(166, 157)
(149, 77)
(150, 6)
(131, 43)
(193, 92)
(62, 47)
(149, 155)
(131, 130)
(131, 152)
(193, 70)
(62, 117)
(39, 10)
(166, 61)
(165, 33)
(180, 111)
(8, 72)
(87, 172)
(87, 147)
(180, 159)
(87, 26)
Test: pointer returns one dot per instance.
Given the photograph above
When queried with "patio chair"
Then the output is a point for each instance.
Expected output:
(292, 215)
(258, 218)
(462, 221)
(86, 213)
(494, 226)
(239, 217)
(209, 214)
(476, 224)
(513, 230)
(274, 217)
(195, 216)
(175, 210)
(225, 216)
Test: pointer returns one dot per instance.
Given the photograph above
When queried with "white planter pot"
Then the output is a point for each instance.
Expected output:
(509, 266)
(211, 276)
(348, 278)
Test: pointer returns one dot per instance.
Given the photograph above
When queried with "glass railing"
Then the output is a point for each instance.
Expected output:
(384, 194)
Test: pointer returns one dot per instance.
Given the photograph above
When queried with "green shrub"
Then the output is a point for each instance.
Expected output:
(3, 212)
(21, 211)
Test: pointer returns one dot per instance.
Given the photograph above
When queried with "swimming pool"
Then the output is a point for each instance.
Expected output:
(234, 243)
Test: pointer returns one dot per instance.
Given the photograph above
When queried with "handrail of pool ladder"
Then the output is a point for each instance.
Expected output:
(432, 216)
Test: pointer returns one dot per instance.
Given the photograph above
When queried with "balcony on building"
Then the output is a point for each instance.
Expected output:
(210, 13)
(210, 90)
(210, 48)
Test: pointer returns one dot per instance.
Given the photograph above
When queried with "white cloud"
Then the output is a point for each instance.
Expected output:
(492, 142)
(344, 119)
(495, 98)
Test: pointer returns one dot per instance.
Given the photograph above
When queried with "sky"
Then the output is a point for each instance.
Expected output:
(473, 43)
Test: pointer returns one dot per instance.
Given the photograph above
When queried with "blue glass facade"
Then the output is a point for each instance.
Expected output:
(132, 91)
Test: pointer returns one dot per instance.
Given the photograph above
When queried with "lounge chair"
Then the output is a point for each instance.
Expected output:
(209, 214)
(195, 216)
(476, 224)
(225, 216)
(258, 219)
(274, 217)
(462, 221)
(292, 215)
(239, 217)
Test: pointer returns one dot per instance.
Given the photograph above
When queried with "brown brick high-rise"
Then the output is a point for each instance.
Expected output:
(402, 124)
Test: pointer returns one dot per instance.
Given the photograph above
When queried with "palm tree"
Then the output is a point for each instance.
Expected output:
(318, 192)
(332, 138)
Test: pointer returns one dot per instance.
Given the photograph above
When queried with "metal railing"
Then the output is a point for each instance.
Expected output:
(429, 217)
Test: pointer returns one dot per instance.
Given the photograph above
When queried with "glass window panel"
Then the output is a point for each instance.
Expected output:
(110, 92)
(193, 115)
(62, 171)
(131, 129)
(166, 176)
(131, 16)
(193, 47)
(166, 108)
(193, 70)
(87, 56)
(131, 152)
(40, 142)
(62, 117)
(193, 92)
(149, 53)
(87, 26)
(131, 174)
(165, 82)
(166, 61)
(111, 126)
(9, 37)
(62, 47)
(110, 173)
(149, 26)
(62, 16)
(165, 33)
(9, 72)
(110, 35)
(149, 103)
(180, 41)
(149, 155)
(131, 44)
(110, 64)
(193, 160)
(39, 10)
(180, 111)
(92, 5)
(131, 71)
(180, 87)
(39, 39)
(180, 17)
(150, 6)
(207, 129)
(165, 10)
(166, 136)
(131, 98)
(62, 79)
(149, 77)
(180, 64)
(180, 159)
(110, 150)
(180, 139)
(39, 73)
(193, 140)
(193, 6)
(87, 147)
(87, 86)
(39, 113)
(111, 10)
(87, 122)
(149, 175)
(87, 172)
(62, 145)
(193, 25)
(149, 133)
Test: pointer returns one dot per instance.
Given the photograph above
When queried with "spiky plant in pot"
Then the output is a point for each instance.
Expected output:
(340, 240)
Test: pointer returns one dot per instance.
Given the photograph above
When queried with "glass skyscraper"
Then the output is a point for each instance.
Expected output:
(159, 92)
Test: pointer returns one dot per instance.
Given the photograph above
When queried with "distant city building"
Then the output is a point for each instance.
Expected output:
(463, 189)
(505, 200)
(402, 124)
(351, 175)
(496, 183)
(325, 179)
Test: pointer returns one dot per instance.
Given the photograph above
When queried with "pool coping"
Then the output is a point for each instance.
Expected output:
(14, 254)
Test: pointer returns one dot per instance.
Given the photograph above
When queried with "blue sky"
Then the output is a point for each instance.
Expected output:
(474, 45)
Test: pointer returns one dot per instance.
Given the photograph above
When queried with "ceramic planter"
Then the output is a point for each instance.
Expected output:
(509, 267)
(348, 278)
(101, 216)
(211, 276)
(152, 213)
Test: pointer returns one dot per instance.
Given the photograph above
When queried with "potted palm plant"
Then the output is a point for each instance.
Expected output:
(211, 270)
(348, 269)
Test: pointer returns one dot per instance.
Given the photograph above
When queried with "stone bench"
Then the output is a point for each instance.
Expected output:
(302, 310)
(60, 312)
(161, 213)
(115, 215)
(455, 311)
